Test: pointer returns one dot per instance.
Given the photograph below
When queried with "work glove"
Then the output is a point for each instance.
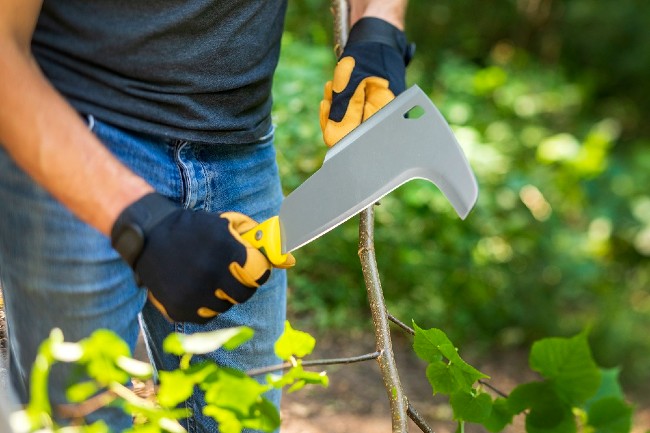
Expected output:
(194, 263)
(370, 73)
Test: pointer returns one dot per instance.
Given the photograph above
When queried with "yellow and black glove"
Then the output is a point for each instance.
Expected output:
(370, 73)
(194, 263)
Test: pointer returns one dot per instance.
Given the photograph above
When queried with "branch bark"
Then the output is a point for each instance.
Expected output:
(387, 366)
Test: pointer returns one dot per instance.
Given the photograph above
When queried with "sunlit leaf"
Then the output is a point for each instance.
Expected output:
(264, 417)
(206, 342)
(294, 343)
(78, 392)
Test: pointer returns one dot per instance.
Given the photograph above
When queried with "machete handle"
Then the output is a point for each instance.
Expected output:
(266, 237)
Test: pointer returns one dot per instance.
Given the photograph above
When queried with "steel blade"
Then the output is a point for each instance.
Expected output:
(381, 154)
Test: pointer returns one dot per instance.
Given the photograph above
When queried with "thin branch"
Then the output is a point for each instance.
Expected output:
(287, 365)
(493, 388)
(387, 365)
(418, 420)
(401, 324)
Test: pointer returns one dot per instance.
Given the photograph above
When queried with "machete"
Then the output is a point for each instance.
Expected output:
(407, 139)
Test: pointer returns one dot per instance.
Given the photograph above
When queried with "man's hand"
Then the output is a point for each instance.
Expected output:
(194, 263)
(370, 73)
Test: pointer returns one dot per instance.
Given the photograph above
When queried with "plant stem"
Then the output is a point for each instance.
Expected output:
(418, 420)
(341, 25)
(401, 324)
(387, 366)
(315, 362)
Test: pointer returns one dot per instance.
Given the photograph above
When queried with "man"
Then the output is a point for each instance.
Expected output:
(137, 142)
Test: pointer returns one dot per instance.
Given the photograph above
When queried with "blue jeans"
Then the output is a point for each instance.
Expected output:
(59, 272)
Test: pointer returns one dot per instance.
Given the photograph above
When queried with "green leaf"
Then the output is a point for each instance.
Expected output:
(500, 416)
(228, 421)
(470, 407)
(101, 350)
(609, 387)
(551, 419)
(294, 343)
(265, 417)
(233, 390)
(569, 366)
(298, 378)
(610, 415)
(426, 343)
(206, 342)
(441, 378)
(175, 387)
(78, 392)
(547, 411)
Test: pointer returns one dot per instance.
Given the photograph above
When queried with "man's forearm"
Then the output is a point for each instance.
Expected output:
(392, 11)
(50, 141)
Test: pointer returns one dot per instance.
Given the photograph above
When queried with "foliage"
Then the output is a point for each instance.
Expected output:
(573, 391)
(235, 400)
(560, 237)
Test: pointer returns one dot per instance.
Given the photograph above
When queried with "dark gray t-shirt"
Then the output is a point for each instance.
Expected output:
(198, 70)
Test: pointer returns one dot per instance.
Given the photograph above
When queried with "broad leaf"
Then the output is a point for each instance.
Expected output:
(206, 342)
(610, 415)
(609, 387)
(228, 421)
(175, 387)
(440, 377)
(101, 350)
(569, 366)
(426, 343)
(500, 416)
(265, 417)
(81, 391)
(470, 407)
(294, 343)
(230, 383)
(548, 413)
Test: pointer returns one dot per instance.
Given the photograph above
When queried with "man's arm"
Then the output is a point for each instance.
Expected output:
(392, 11)
(47, 138)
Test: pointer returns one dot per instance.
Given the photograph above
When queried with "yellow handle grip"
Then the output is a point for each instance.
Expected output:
(266, 237)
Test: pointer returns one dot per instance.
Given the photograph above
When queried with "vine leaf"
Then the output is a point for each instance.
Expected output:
(547, 411)
(500, 416)
(453, 376)
(294, 343)
(206, 342)
(568, 365)
(101, 350)
(610, 415)
(472, 407)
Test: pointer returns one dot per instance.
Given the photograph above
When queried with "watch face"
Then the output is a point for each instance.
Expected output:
(129, 242)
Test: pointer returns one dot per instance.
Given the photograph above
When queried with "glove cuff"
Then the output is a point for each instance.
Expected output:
(137, 219)
(371, 29)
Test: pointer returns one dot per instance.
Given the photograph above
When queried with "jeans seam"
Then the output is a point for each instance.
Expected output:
(186, 182)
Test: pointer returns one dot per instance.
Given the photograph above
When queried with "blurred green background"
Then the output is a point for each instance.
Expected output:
(548, 99)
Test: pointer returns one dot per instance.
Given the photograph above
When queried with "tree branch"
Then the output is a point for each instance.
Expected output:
(418, 420)
(287, 365)
(387, 366)
(401, 324)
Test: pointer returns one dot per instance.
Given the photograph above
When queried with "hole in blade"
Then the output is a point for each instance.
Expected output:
(414, 113)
